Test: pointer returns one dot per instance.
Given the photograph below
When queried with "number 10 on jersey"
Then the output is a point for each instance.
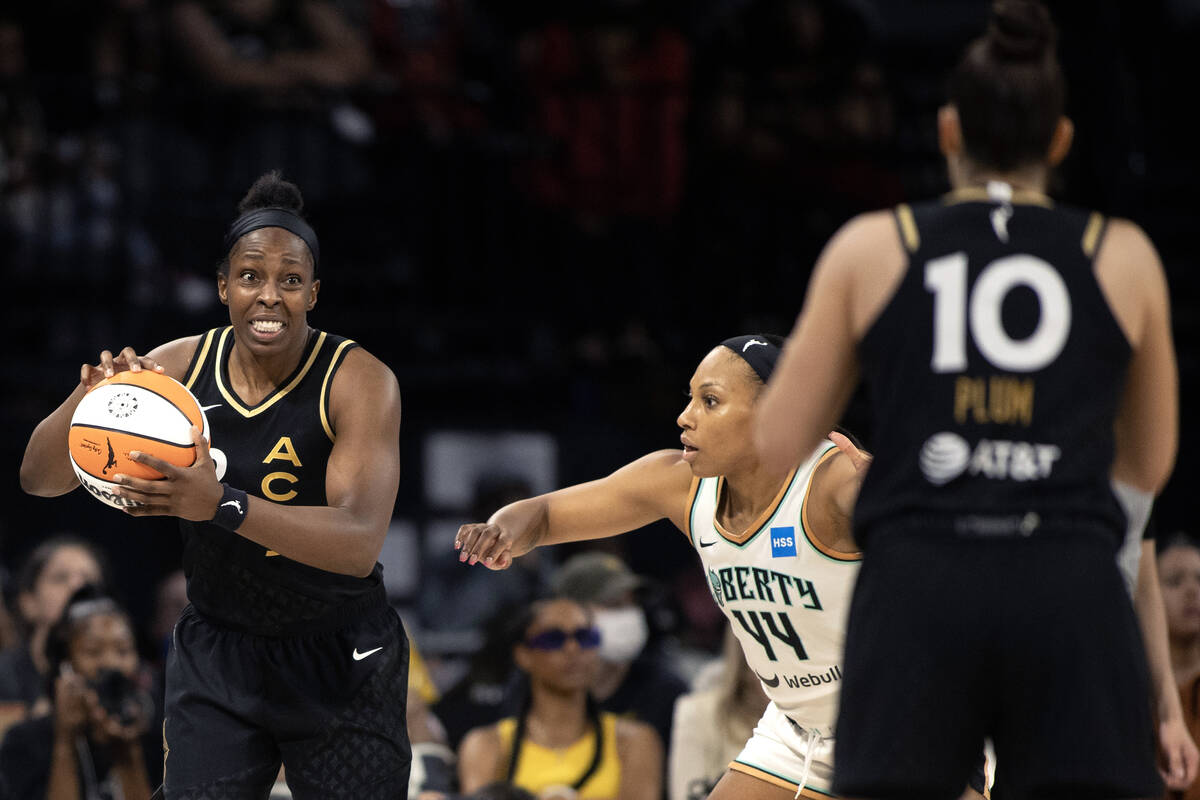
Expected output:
(954, 311)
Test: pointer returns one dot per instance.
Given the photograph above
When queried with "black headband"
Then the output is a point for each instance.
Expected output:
(274, 218)
(758, 350)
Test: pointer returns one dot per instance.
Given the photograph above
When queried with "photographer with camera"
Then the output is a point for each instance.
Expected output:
(90, 747)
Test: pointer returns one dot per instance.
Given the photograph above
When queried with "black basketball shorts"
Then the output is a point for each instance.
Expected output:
(1031, 641)
(329, 706)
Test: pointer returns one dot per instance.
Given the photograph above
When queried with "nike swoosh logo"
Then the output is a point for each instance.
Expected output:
(772, 683)
(360, 656)
(706, 544)
(210, 408)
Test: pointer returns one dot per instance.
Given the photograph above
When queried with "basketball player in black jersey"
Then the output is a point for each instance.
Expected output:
(1018, 358)
(288, 652)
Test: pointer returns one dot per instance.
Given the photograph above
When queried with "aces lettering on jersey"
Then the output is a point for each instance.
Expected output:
(277, 485)
(771, 629)
(974, 312)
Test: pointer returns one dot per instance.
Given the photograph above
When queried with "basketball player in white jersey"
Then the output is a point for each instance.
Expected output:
(775, 544)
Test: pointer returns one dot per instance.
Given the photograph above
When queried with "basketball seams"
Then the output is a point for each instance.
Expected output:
(168, 442)
(167, 401)
(185, 399)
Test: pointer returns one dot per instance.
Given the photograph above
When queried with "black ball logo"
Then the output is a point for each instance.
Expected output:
(122, 405)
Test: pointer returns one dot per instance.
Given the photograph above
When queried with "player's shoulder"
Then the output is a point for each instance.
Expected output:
(662, 469)
(869, 227)
(175, 356)
(1129, 239)
(869, 238)
(359, 365)
(1127, 257)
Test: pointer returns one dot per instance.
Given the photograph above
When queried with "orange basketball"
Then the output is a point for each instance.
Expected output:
(145, 411)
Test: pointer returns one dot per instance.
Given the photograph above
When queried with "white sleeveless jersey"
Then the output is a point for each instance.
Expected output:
(785, 594)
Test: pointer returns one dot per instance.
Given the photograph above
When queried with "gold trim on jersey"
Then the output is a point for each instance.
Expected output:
(204, 347)
(976, 194)
(763, 518)
(333, 362)
(806, 526)
(908, 227)
(775, 780)
(271, 400)
(691, 509)
(1091, 234)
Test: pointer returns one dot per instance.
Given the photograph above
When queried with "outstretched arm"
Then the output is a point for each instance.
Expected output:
(649, 489)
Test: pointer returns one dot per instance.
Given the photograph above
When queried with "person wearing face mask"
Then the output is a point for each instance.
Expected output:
(635, 680)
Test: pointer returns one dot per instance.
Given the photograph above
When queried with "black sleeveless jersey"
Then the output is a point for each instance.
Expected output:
(277, 450)
(994, 373)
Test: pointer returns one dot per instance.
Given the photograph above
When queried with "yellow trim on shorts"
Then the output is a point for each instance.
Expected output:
(775, 780)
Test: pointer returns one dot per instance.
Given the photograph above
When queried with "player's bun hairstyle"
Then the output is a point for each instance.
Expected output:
(272, 191)
(269, 191)
(1009, 88)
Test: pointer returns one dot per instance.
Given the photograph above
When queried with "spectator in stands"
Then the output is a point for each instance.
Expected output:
(635, 679)
(713, 723)
(92, 745)
(268, 82)
(485, 693)
(49, 575)
(1179, 576)
(561, 745)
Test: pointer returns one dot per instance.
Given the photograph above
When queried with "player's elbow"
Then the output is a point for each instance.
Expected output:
(34, 482)
(358, 558)
(1148, 473)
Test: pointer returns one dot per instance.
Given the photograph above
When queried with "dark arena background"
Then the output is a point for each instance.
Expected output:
(539, 214)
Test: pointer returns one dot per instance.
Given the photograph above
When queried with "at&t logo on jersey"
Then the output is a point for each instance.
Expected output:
(783, 542)
(946, 455)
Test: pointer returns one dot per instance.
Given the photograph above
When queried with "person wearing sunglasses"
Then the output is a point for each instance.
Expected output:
(560, 746)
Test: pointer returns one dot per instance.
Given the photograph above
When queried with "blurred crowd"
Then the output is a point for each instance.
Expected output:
(533, 212)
